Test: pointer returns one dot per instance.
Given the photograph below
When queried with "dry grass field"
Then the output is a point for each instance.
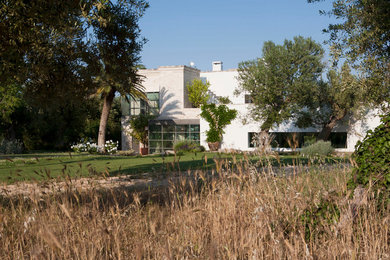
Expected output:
(235, 212)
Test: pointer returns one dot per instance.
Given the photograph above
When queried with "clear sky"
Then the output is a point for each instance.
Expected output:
(202, 31)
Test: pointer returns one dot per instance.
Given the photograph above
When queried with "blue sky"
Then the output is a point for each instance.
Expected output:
(181, 31)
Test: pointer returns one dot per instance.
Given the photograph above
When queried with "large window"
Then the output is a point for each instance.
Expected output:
(154, 102)
(281, 139)
(139, 106)
(162, 137)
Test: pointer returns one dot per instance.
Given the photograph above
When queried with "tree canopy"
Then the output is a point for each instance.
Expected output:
(198, 92)
(332, 101)
(55, 54)
(117, 47)
(363, 37)
(281, 81)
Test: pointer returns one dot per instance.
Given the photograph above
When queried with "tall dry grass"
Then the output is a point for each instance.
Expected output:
(239, 213)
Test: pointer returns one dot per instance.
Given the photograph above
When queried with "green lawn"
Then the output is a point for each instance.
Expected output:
(50, 165)
(40, 166)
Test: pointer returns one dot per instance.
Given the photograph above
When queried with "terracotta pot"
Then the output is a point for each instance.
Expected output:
(144, 151)
(214, 146)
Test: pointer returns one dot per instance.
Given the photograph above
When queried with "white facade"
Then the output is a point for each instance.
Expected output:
(171, 81)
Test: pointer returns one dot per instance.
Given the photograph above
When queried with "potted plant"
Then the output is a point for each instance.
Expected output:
(139, 130)
(218, 117)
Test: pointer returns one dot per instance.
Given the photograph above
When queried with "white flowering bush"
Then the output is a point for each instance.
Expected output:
(85, 145)
(88, 145)
(111, 147)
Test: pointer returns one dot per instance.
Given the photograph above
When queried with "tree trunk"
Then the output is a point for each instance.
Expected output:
(327, 129)
(107, 103)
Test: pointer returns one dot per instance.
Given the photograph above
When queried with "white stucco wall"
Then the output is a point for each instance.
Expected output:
(223, 83)
(171, 82)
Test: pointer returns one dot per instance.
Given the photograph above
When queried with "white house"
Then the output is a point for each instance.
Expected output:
(176, 119)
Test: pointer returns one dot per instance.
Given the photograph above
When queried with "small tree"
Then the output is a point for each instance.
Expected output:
(218, 118)
(197, 92)
(138, 128)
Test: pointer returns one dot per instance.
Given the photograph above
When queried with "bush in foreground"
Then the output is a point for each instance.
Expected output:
(372, 157)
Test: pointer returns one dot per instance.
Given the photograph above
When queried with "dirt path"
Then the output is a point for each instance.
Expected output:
(27, 189)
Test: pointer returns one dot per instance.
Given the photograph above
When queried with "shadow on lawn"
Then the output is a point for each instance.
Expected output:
(167, 183)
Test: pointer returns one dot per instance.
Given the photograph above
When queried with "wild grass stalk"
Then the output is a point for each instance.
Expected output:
(235, 212)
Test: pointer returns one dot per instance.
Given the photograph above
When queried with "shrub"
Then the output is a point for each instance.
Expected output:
(111, 147)
(88, 145)
(85, 145)
(11, 146)
(372, 157)
(138, 126)
(213, 135)
(317, 217)
(180, 147)
(318, 149)
(218, 118)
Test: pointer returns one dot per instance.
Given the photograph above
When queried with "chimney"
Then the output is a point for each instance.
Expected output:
(217, 65)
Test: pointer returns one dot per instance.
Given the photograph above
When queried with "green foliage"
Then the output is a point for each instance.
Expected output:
(10, 99)
(319, 216)
(11, 147)
(198, 92)
(363, 37)
(47, 48)
(224, 100)
(319, 149)
(117, 46)
(372, 158)
(309, 140)
(212, 135)
(218, 118)
(183, 146)
(331, 101)
(58, 127)
(281, 81)
(138, 126)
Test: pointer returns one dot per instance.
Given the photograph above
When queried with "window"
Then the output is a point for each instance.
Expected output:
(162, 137)
(139, 106)
(338, 139)
(250, 139)
(248, 99)
(281, 139)
(154, 102)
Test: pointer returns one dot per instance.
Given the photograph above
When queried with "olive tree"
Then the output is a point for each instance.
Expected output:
(281, 82)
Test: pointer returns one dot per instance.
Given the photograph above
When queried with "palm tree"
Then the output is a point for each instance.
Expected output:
(117, 47)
